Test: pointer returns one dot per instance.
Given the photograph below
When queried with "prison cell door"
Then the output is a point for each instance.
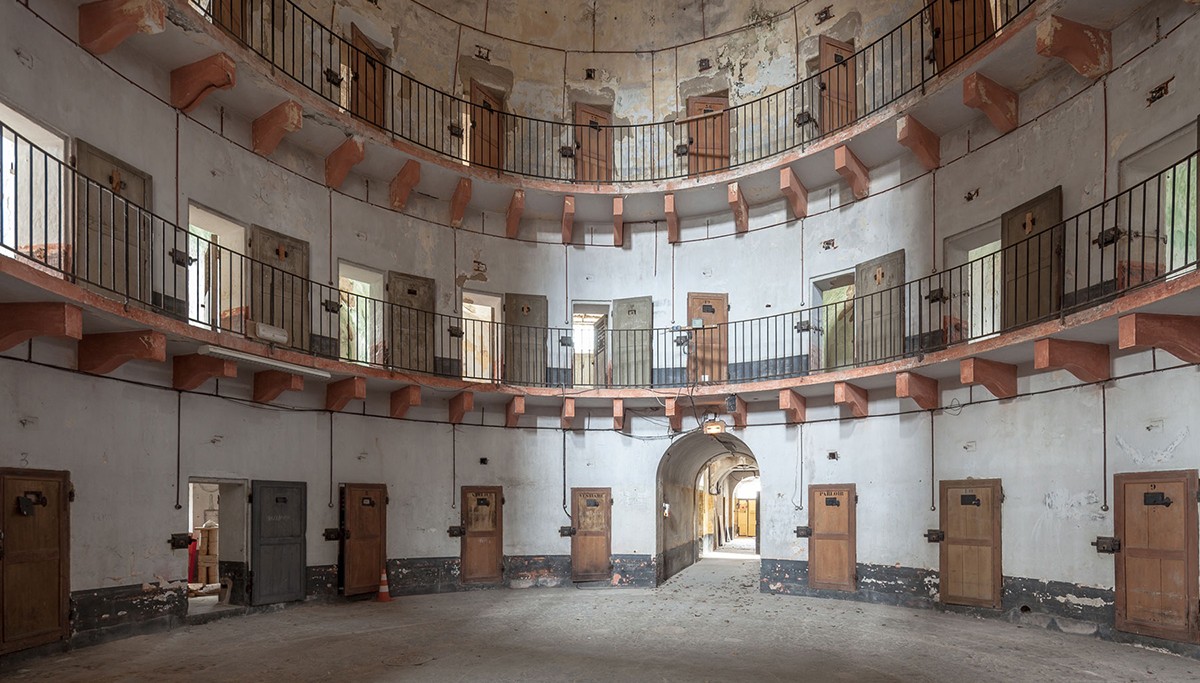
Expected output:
(591, 546)
(1156, 565)
(958, 26)
(364, 537)
(631, 348)
(279, 287)
(708, 134)
(112, 242)
(487, 128)
(524, 329)
(879, 308)
(594, 144)
(708, 350)
(368, 74)
(413, 322)
(838, 84)
(970, 552)
(34, 558)
(832, 547)
(483, 534)
(277, 541)
(1032, 258)
(231, 15)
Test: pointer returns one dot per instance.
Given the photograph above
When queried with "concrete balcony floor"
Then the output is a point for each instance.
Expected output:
(708, 623)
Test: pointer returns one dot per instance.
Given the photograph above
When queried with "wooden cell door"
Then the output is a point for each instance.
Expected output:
(413, 321)
(970, 552)
(364, 537)
(487, 128)
(35, 558)
(708, 349)
(591, 546)
(483, 538)
(369, 78)
(747, 517)
(525, 336)
(630, 348)
(112, 241)
(1032, 259)
(958, 26)
(838, 84)
(278, 521)
(879, 308)
(832, 548)
(593, 144)
(279, 286)
(1156, 567)
(708, 134)
(231, 15)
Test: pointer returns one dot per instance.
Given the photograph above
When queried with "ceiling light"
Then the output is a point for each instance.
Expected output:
(251, 359)
(713, 427)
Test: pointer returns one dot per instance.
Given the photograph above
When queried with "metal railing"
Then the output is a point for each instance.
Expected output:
(81, 230)
(354, 76)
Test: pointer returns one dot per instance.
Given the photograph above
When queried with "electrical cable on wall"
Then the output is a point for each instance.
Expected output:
(564, 475)
(453, 466)
(178, 441)
(331, 459)
(932, 465)
(798, 482)
(1104, 437)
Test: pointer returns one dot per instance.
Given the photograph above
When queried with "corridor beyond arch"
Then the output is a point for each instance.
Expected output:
(696, 511)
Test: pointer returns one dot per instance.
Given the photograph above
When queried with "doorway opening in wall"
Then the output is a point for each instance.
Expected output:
(482, 315)
(215, 271)
(217, 568)
(361, 314)
(974, 284)
(735, 517)
(589, 336)
(699, 512)
(1168, 244)
(34, 231)
(833, 341)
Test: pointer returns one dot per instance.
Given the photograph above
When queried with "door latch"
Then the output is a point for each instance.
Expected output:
(180, 541)
(1107, 544)
(567, 531)
(456, 531)
(336, 534)
(935, 535)
(803, 532)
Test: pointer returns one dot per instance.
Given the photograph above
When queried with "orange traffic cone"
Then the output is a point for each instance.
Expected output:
(385, 593)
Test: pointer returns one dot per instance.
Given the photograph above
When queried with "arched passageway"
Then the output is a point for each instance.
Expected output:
(698, 511)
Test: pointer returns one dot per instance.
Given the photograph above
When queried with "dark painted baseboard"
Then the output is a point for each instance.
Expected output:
(1053, 605)
(635, 571)
(675, 560)
(322, 581)
(537, 571)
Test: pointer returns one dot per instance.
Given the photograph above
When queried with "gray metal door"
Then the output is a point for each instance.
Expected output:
(525, 319)
(879, 308)
(412, 342)
(630, 347)
(277, 547)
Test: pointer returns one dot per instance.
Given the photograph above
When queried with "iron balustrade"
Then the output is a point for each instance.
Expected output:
(55, 219)
(354, 76)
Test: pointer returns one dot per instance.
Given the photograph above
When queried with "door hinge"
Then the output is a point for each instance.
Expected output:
(856, 499)
(250, 498)
(249, 584)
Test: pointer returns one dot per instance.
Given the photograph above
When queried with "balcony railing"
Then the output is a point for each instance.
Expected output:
(354, 76)
(83, 231)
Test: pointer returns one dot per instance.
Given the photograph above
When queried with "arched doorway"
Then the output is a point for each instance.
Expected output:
(698, 510)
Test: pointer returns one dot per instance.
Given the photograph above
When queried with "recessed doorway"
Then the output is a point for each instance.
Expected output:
(217, 569)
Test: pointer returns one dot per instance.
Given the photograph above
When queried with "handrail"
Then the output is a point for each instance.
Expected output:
(57, 220)
(357, 80)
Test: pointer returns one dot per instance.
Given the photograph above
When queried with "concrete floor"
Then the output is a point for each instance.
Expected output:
(709, 623)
